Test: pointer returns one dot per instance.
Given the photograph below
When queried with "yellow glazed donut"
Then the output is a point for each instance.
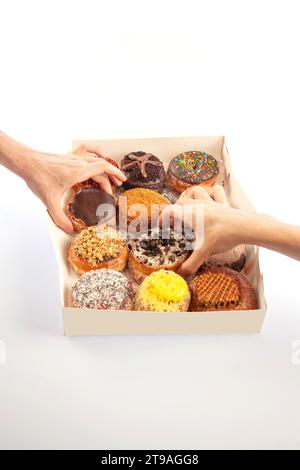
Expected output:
(163, 291)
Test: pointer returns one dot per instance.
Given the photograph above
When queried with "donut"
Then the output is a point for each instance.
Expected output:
(163, 291)
(157, 249)
(143, 170)
(221, 289)
(90, 183)
(82, 208)
(103, 289)
(234, 259)
(192, 168)
(95, 248)
(145, 197)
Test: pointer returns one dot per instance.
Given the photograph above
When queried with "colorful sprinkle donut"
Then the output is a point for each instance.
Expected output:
(192, 168)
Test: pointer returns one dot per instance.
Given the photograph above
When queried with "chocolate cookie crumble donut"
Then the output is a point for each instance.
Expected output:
(143, 170)
(103, 289)
(192, 168)
(155, 250)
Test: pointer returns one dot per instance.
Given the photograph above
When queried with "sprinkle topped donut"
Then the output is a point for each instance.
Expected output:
(193, 167)
(196, 167)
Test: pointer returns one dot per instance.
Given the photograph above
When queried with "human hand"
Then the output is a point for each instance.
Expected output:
(49, 176)
(222, 224)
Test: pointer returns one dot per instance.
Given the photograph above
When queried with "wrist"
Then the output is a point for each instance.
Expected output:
(254, 229)
(246, 228)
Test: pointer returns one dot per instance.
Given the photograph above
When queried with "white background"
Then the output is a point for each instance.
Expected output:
(105, 69)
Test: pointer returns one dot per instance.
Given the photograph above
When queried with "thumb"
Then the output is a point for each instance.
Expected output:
(192, 264)
(59, 217)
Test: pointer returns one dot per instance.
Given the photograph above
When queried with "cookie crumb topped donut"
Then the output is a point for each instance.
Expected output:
(103, 289)
(157, 249)
(192, 168)
(96, 248)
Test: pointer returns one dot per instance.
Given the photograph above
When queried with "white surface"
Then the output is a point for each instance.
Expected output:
(87, 70)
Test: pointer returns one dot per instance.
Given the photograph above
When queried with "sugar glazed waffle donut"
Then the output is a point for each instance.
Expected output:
(221, 289)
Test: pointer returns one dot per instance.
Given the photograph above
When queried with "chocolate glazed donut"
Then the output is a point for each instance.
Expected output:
(143, 170)
(192, 168)
(83, 210)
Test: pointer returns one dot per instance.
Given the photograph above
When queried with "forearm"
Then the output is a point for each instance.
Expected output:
(267, 232)
(15, 156)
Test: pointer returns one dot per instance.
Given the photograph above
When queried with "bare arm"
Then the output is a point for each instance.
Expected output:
(265, 231)
(49, 175)
(226, 227)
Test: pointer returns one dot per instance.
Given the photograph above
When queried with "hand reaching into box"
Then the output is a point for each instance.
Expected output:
(226, 227)
(50, 175)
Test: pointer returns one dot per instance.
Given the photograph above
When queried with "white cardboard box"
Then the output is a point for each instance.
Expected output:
(107, 322)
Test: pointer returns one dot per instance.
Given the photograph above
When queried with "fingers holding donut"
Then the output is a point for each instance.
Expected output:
(204, 194)
(218, 195)
(195, 193)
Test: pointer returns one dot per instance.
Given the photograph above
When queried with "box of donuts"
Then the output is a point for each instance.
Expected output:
(120, 271)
